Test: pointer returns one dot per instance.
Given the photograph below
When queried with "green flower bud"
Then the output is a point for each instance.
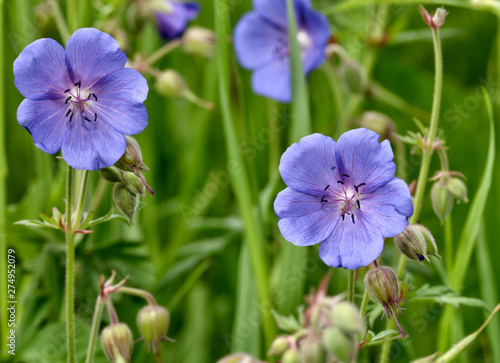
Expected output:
(170, 83)
(153, 322)
(379, 123)
(133, 183)
(442, 200)
(131, 160)
(239, 358)
(353, 76)
(279, 345)
(430, 242)
(311, 350)
(111, 174)
(458, 189)
(339, 344)
(117, 342)
(126, 202)
(347, 317)
(411, 243)
(199, 41)
(291, 356)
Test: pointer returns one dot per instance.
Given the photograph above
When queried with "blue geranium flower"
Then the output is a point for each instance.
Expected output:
(343, 195)
(80, 100)
(172, 17)
(261, 44)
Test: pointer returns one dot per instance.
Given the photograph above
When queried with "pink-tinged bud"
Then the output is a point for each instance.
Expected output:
(343, 347)
(383, 286)
(434, 20)
(291, 356)
(411, 243)
(153, 322)
(117, 342)
(199, 41)
(133, 183)
(430, 242)
(239, 358)
(458, 189)
(442, 200)
(112, 174)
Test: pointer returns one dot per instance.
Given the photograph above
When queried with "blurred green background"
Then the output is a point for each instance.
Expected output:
(186, 243)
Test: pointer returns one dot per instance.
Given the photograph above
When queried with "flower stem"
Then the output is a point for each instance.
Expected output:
(350, 286)
(163, 51)
(426, 162)
(94, 332)
(70, 269)
(146, 295)
(81, 200)
(71, 14)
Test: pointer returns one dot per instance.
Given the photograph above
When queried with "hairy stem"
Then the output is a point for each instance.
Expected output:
(70, 269)
(94, 332)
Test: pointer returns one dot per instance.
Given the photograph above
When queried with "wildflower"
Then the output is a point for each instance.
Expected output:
(262, 45)
(81, 100)
(343, 195)
(172, 17)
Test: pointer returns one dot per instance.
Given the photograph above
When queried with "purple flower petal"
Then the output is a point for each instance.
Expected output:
(396, 194)
(172, 25)
(40, 70)
(276, 10)
(256, 40)
(91, 55)
(310, 166)
(120, 101)
(274, 81)
(352, 245)
(91, 145)
(45, 120)
(364, 159)
(304, 220)
(317, 28)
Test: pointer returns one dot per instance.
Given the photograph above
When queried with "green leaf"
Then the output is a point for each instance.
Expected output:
(383, 336)
(35, 223)
(287, 323)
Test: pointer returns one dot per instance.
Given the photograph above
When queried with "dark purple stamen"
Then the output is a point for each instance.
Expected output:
(341, 182)
(67, 99)
(323, 200)
(93, 94)
(420, 257)
(352, 216)
(357, 186)
(328, 186)
(86, 118)
(359, 205)
(67, 113)
(78, 84)
(71, 117)
(333, 168)
(343, 217)
(95, 117)
(67, 90)
(90, 95)
(344, 175)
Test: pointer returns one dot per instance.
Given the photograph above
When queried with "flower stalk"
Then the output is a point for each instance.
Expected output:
(70, 269)
(94, 332)
(426, 160)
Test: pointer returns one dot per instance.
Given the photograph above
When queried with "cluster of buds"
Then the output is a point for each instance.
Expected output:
(382, 285)
(448, 187)
(326, 332)
(127, 176)
(417, 243)
(152, 322)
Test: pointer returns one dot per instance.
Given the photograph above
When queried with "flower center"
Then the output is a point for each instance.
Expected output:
(347, 198)
(304, 40)
(282, 48)
(80, 101)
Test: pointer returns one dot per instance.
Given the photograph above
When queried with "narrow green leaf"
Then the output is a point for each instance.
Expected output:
(287, 323)
(383, 336)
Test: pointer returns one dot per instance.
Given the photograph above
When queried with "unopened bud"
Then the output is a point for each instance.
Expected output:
(458, 189)
(153, 322)
(347, 317)
(199, 41)
(378, 122)
(279, 345)
(430, 242)
(442, 200)
(353, 76)
(434, 20)
(126, 202)
(171, 84)
(291, 356)
(111, 174)
(133, 183)
(311, 350)
(117, 342)
(412, 244)
(239, 358)
(339, 344)
(132, 158)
